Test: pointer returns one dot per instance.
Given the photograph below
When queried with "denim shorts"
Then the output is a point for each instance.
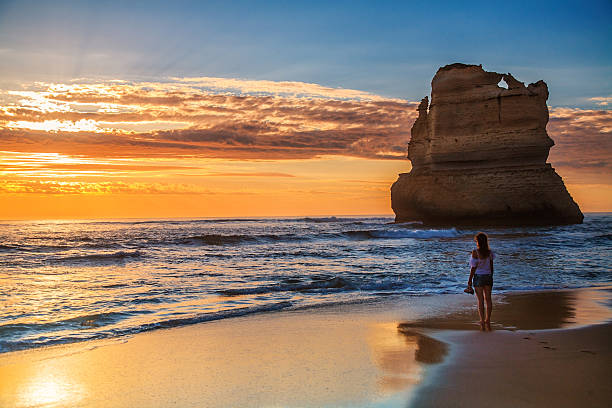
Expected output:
(482, 280)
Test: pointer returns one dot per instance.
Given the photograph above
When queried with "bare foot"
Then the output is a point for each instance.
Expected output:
(482, 326)
(488, 324)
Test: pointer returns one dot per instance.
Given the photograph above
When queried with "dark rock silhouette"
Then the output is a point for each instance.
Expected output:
(478, 154)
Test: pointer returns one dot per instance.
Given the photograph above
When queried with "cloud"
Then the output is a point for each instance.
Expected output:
(46, 165)
(87, 167)
(242, 119)
(602, 100)
(208, 117)
(264, 174)
(583, 144)
(285, 88)
(76, 187)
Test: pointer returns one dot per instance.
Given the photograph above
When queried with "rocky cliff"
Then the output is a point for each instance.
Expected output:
(478, 154)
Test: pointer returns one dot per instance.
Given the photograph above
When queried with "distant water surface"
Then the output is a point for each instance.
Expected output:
(78, 280)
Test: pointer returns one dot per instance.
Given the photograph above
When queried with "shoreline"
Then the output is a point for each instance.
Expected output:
(384, 353)
(394, 299)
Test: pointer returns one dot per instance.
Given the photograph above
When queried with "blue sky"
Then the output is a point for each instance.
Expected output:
(388, 48)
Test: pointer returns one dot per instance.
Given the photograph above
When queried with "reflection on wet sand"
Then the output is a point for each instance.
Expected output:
(48, 383)
(400, 356)
(554, 351)
(290, 360)
(529, 311)
(430, 350)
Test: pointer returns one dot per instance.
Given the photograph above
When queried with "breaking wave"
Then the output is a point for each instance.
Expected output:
(219, 239)
(404, 233)
(332, 284)
(99, 320)
(103, 257)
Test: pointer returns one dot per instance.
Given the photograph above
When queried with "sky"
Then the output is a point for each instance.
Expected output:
(214, 109)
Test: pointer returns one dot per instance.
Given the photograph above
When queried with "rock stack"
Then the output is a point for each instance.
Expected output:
(478, 154)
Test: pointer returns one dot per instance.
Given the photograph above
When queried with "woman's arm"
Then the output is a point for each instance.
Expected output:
(473, 265)
(472, 270)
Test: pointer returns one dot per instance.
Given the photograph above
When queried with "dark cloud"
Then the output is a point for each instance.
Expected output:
(583, 144)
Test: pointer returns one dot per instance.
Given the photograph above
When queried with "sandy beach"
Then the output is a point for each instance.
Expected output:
(552, 368)
(548, 349)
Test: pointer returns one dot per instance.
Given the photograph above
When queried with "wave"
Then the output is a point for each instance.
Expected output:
(407, 223)
(325, 220)
(520, 234)
(216, 239)
(601, 239)
(56, 247)
(219, 239)
(397, 234)
(88, 320)
(335, 284)
(46, 339)
(103, 257)
(114, 285)
(167, 222)
(35, 248)
(152, 299)
(95, 319)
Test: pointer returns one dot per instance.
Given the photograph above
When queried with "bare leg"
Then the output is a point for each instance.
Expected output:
(487, 295)
(481, 311)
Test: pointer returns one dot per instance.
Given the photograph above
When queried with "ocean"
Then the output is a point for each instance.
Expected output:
(69, 281)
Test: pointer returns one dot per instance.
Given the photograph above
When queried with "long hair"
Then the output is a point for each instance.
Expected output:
(483, 245)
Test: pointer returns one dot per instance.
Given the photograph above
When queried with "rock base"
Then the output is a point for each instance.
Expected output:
(509, 196)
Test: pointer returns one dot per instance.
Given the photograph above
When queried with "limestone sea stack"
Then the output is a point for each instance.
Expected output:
(478, 154)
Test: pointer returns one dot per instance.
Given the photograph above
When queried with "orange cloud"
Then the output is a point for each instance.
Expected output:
(209, 117)
(602, 100)
(240, 119)
(248, 175)
(75, 187)
(583, 145)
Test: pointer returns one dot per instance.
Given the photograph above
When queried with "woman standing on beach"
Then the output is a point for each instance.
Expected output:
(481, 273)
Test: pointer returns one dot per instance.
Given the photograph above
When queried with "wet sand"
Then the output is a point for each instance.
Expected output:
(553, 368)
(548, 349)
(344, 356)
(423, 351)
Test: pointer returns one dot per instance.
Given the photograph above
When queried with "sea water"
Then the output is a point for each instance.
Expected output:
(67, 281)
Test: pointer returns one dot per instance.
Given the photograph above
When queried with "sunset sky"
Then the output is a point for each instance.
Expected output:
(217, 109)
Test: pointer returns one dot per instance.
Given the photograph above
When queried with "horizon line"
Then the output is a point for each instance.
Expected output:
(245, 217)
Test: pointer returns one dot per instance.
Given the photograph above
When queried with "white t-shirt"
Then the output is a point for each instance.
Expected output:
(483, 266)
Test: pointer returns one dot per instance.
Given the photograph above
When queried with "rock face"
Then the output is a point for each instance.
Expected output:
(478, 154)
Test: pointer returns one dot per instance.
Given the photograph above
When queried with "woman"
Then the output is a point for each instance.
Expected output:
(481, 273)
